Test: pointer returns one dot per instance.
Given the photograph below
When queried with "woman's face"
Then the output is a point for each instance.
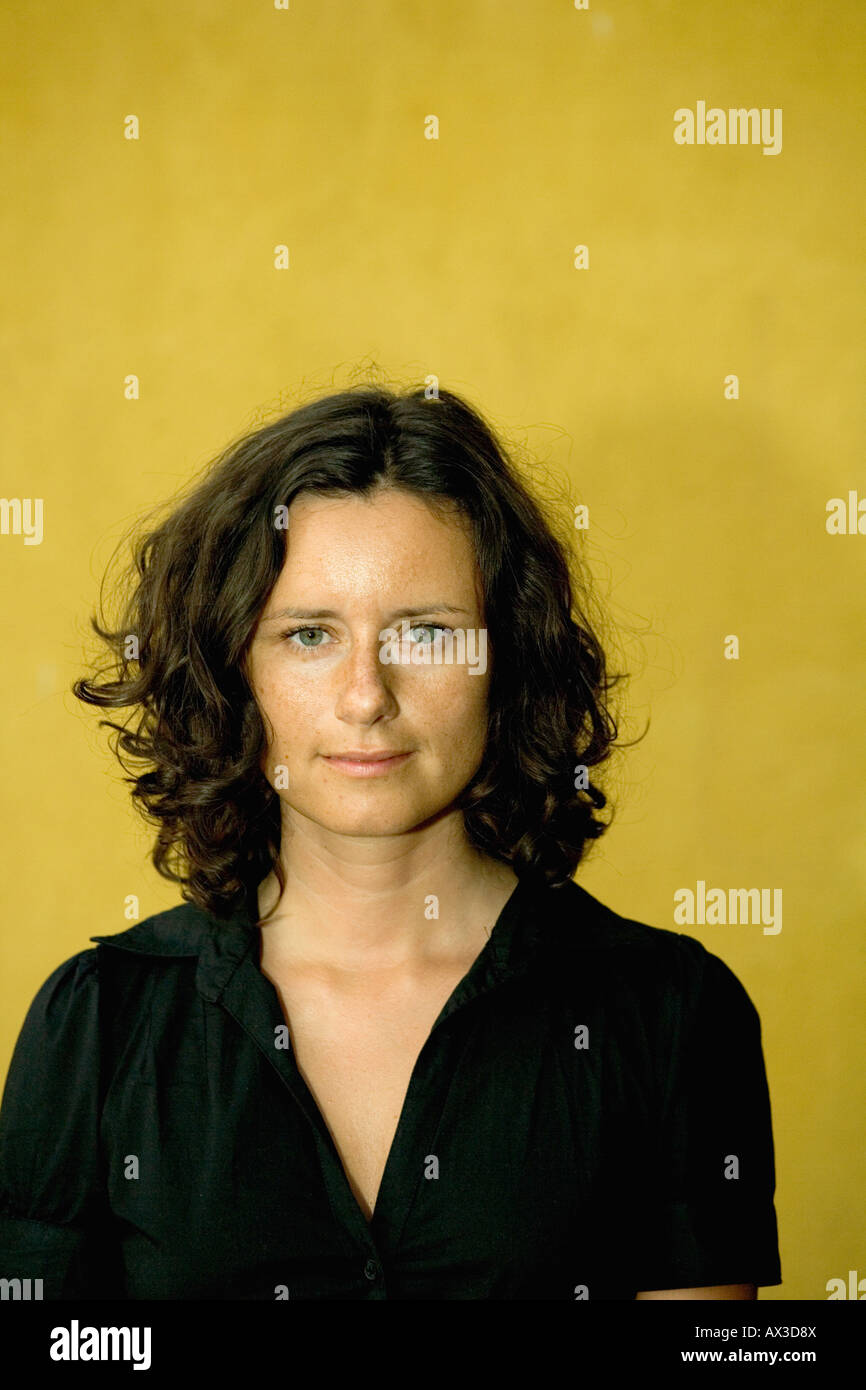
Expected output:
(355, 567)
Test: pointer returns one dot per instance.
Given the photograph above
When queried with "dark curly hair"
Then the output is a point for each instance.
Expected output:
(200, 579)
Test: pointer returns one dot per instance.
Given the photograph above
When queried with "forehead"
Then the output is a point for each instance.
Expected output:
(391, 537)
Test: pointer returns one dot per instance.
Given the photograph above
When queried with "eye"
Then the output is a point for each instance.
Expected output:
(317, 633)
(429, 627)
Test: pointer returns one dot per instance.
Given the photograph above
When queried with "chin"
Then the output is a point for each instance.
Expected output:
(370, 820)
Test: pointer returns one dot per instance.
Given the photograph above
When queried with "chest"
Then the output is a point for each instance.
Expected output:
(356, 1051)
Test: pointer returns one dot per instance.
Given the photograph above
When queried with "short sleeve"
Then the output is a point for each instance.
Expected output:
(711, 1218)
(51, 1214)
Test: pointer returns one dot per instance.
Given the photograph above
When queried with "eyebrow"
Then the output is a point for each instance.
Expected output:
(285, 613)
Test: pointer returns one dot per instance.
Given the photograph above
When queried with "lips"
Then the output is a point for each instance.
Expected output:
(373, 756)
(373, 762)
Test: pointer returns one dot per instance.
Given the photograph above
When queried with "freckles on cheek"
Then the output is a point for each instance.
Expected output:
(281, 701)
(293, 709)
(459, 704)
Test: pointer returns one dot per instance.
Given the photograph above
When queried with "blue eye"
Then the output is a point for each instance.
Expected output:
(429, 627)
(304, 632)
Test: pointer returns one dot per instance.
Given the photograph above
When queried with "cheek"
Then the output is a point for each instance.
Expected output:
(289, 704)
(286, 719)
(456, 710)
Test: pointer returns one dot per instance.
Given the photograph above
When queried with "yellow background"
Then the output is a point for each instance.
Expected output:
(454, 257)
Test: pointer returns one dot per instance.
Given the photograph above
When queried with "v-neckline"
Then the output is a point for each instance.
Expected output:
(392, 1204)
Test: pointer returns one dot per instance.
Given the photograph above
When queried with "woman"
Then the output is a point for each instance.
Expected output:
(386, 1047)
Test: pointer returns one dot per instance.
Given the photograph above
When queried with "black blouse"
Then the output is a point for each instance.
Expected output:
(588, 1117)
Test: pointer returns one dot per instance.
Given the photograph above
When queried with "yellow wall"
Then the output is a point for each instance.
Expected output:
(454, 257)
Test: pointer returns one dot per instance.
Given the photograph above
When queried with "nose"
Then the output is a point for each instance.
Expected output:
(364, 692)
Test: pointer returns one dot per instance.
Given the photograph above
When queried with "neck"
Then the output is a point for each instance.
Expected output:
(381, 902)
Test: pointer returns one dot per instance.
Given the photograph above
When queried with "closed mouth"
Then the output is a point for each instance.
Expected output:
(381, 756)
